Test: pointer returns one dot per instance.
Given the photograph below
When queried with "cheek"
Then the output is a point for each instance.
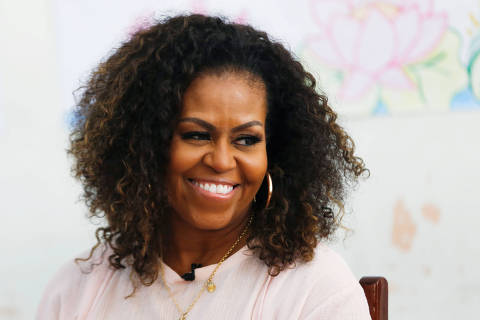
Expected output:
(181, 160)
(255, 168)
(182, 157)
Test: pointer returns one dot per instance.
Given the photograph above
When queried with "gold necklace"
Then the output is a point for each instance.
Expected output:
(209, 285)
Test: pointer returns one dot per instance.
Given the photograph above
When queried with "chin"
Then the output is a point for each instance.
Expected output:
(211, 221)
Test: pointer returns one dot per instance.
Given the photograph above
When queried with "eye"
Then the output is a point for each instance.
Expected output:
(196, 135)
(247, 140)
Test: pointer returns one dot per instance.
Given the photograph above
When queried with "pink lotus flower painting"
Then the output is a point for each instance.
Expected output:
(393, 53)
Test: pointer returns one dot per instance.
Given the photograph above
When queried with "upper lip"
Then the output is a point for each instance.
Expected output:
(215, 181)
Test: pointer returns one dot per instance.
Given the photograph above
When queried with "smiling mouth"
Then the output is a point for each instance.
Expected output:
(215, 188)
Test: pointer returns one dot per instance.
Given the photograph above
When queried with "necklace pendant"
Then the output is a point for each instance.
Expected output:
(183, 317)
(210, 286)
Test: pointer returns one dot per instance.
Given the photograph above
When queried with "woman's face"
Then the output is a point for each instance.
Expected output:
(218, 156)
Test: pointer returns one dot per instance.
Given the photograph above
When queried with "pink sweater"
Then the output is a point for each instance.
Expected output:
(321, 289)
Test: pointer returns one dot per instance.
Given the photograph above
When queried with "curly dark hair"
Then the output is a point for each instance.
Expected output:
(125, 119)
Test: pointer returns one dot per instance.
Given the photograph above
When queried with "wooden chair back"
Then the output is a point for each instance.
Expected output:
(376, 291)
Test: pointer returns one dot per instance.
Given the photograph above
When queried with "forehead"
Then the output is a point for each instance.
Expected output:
(227, 98)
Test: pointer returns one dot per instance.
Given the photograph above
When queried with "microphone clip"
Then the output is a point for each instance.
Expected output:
(190, 276)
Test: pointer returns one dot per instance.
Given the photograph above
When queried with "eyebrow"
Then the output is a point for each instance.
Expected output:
(211, 127)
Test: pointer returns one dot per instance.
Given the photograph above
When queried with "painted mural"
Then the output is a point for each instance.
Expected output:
(393, 56)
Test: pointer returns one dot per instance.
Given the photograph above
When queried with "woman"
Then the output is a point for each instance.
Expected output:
(216, 165)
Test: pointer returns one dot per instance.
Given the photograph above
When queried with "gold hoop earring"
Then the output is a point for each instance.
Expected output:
(270, 189)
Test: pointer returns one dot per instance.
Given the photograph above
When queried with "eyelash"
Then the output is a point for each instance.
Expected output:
(196, 135)
(199, 135)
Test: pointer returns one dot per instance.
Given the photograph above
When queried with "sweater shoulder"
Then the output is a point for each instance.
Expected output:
(320, 287)
(75, 283)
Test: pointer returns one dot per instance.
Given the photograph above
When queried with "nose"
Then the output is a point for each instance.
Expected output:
(220, 157)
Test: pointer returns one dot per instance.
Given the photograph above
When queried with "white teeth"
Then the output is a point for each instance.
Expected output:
(214, 188)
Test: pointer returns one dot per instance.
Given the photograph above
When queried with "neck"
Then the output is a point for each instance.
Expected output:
(187, 245)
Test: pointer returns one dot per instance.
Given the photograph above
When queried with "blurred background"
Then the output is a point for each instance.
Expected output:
(403, 75)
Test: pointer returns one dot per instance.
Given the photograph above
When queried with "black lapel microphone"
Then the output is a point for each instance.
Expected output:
(190, 276)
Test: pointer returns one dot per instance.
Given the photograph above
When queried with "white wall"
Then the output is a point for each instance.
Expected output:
(414, 220)
(40, 224)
